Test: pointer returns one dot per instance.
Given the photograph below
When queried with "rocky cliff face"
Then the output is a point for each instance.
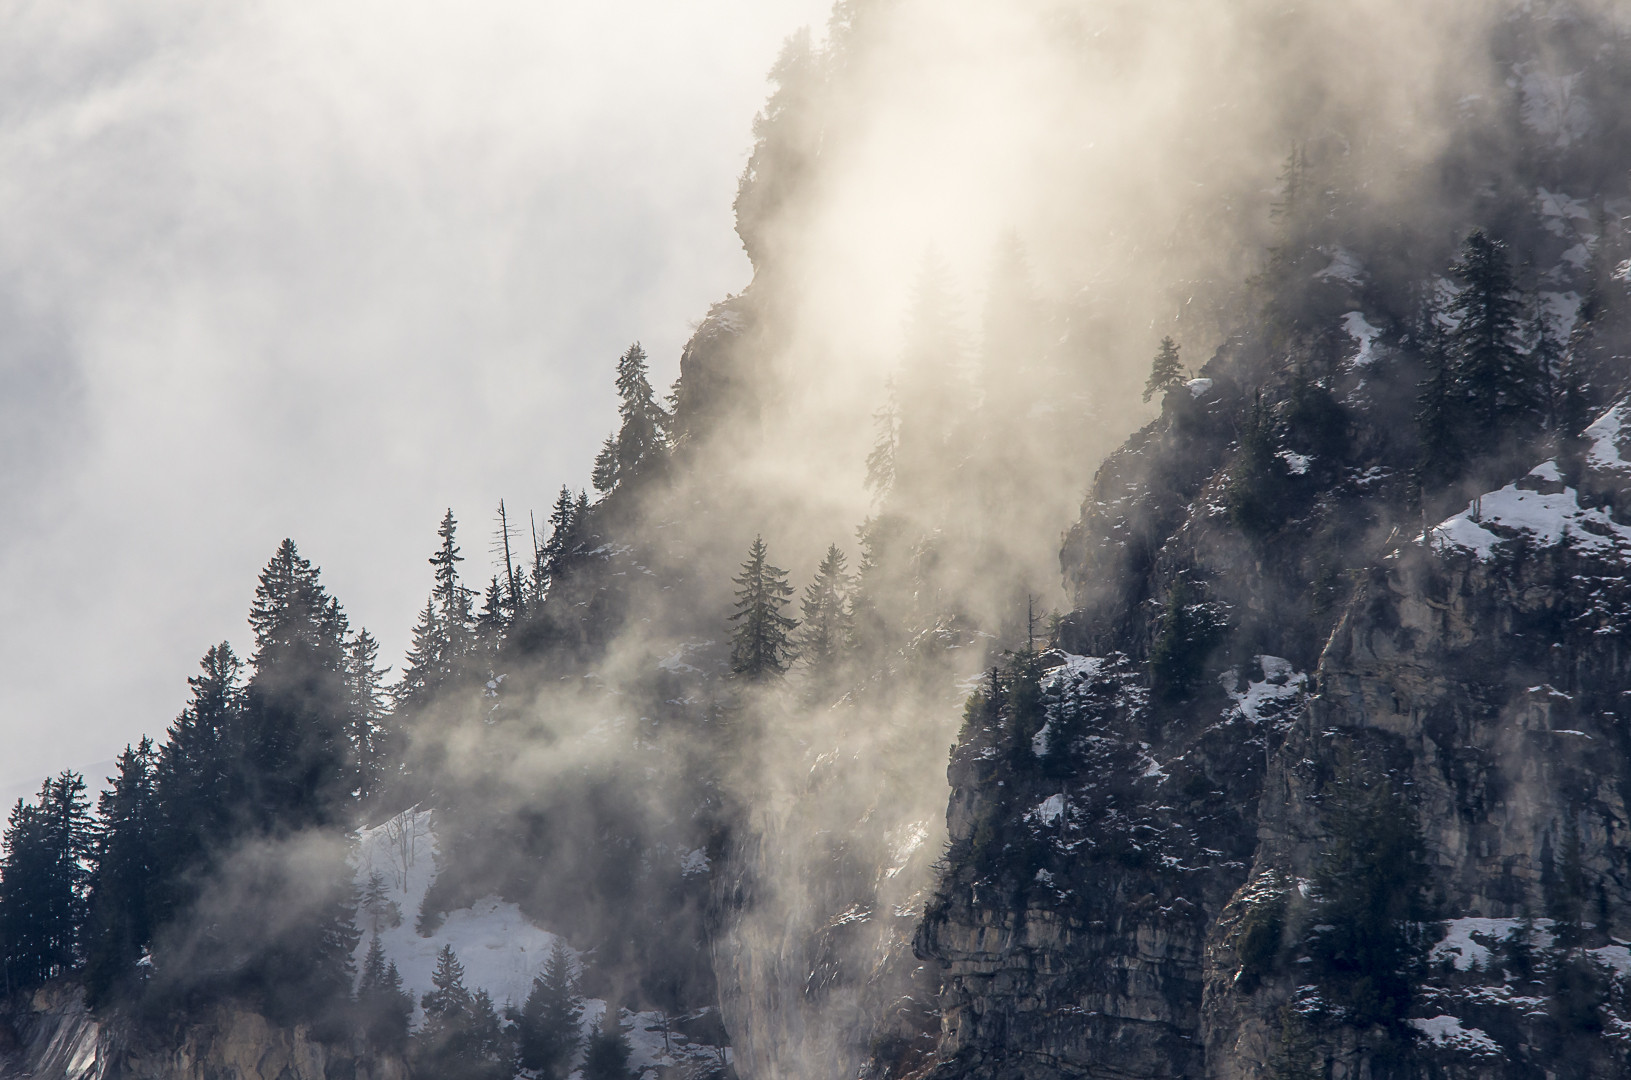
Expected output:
(1486, 663)
(53, 1036)
(1130, 881)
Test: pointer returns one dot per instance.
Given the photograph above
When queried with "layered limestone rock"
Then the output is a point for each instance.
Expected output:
(1094, 838)
(53, 1036)
(1485, 664)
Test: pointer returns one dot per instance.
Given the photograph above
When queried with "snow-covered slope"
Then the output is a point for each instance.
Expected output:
(500, 948)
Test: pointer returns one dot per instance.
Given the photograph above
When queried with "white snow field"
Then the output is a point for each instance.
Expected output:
(500, 948)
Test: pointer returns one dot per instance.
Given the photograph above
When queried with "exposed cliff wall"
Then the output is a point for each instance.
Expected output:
(53, 1036)
(1487, 669)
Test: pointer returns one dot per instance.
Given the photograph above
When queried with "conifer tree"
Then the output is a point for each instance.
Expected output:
(43, 879)
(1367, 936)
(426, 657)
(606, 1055)
(880, 460)
(1166, 370)
(1573, 417)
(119, 909)
(641, 439)
(1497, 379)
(1257, 475)
(369, 731)
(384, 1009)
(1441, 457)
(296, 755)
(453, 600)
(550, 1018)
(461, 1038)
(760, 644)
(446, 632)
(494, 618)
(564, 523)
(828, 623)
(198, 780)
(375, 907)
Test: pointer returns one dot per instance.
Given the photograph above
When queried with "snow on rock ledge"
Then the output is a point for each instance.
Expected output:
(1538, 509)
(1543, 511)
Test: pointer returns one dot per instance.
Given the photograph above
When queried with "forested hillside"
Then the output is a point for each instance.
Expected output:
(1294, 749)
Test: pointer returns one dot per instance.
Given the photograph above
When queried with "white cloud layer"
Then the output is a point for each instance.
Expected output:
(322, 268)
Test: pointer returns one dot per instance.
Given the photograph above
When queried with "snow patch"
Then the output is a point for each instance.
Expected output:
(1544, 519)
(1296, 463)
(1280, 685)
(694, 862)
(1552, 108)
(500, 949)
(1446, 1031)
(1561, 311)
(1607, 436)
(904, 843)
(676, 660)
(1198, 387)
(1047, 811)
(1073, 668)
(1344, 267)
(1617, 958)
(1558, 208)
(1360, 329)
(1467, 943)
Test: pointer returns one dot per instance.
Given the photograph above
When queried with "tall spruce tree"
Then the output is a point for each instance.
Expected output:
(550, 1018)
(119, 909)
(1495, 376)
(199, 781)
(454, 601)
(828, 623)
(1441, 456)
(1166, 370)
(760, 642)
(43, 881)
(446, 632)
(297, 757)
(641, 441)
(368, 729)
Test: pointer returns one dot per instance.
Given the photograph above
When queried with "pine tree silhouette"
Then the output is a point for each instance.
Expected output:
(1166, 370)
(760, 645)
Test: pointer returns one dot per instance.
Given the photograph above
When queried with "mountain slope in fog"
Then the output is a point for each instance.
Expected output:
(1294, 750)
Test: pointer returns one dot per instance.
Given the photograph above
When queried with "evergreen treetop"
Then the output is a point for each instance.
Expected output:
(642, 437)
(828, 624)
(760, 641)
(549, 1024)
(1486, 345)
(1166, 370)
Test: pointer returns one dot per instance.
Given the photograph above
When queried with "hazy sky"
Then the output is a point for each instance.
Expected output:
(320, 269)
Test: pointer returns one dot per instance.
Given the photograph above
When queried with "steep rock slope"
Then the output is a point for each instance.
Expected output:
(1485, 662)
(53, 1035)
